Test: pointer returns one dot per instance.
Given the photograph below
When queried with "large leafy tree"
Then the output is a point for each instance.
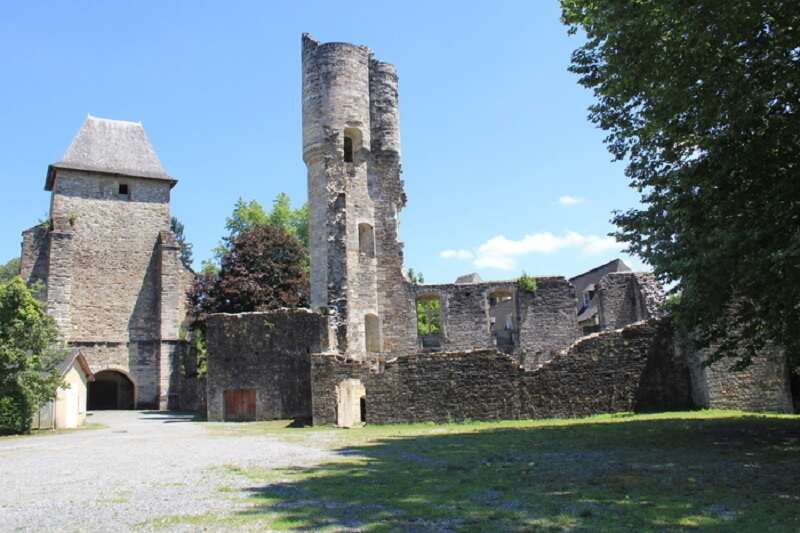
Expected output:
(30, 352)
(251, 214)
(9, 270)
(265, 268)
(701, 98)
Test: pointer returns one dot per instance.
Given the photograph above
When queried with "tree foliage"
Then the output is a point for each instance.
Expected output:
(9, 270)
(429, 316)
(251, 214)
(29, 356)
(186, 247)
(701, 99)
(417, 278)
(265, 268)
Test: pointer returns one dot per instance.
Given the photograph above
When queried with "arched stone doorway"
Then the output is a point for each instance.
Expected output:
(110, 389)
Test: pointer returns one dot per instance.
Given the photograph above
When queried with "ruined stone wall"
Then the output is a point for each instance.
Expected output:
(628, 297)
(268, 352)
(35, 257)
(621, 370)
(395, 299)
(547, 320)
(763, 386)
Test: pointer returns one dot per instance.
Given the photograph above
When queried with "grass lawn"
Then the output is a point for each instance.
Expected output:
(706, 470)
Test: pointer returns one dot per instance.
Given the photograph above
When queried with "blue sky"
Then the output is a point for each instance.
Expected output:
(502, 169)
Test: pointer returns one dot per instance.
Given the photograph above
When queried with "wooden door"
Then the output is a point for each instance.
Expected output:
(240, 405)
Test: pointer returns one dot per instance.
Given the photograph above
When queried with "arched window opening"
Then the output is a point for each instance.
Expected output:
(366, 240)
(503, 319)
(373, 333)
(429, 321)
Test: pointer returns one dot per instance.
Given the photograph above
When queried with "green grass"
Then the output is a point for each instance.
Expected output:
(705, 470)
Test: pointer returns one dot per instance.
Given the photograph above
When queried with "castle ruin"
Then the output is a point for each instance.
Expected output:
(113, 280)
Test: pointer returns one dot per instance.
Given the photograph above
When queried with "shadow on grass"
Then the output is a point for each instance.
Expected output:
(726, 474)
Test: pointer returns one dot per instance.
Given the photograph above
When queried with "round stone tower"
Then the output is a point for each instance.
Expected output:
(351, 147)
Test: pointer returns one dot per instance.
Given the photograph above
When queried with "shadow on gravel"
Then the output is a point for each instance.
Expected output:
(726, 474)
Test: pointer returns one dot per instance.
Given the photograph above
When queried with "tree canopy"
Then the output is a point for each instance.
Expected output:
(250, 214)
(29, 356)
(701, 101)
(186, 247)
(264, 268)
(9, 270)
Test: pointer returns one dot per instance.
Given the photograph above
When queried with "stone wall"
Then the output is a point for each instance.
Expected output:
(621, 370)
(762, 386)
(628, 297)
(114, 293)
(545, 319)
(268, 352)
(35, 257)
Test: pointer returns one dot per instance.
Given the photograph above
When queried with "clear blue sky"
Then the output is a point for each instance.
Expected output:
(494, 128)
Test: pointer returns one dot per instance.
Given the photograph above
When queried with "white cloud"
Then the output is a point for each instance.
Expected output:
(501, 253)
(569, 201)
(456, 254)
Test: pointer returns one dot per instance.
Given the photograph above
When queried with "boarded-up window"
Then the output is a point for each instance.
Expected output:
(373, 333)
(366, 240)
(240, 405)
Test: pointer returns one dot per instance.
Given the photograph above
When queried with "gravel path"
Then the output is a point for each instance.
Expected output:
(144, 465)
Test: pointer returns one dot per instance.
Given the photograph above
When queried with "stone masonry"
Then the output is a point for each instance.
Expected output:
(268, 352)
(110, 267)
(621, 370)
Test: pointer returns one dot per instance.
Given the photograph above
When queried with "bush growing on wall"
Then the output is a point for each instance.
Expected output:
(29, 355)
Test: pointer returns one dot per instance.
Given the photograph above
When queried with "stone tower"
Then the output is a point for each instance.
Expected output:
(351, 147)
(110, 266)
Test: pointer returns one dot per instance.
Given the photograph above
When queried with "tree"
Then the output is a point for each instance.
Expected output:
(30, 352)
(9, 270)
(251, 214)
(701, 99)
(417, 278)
(429, 316)
(265, 268)
(186, 247)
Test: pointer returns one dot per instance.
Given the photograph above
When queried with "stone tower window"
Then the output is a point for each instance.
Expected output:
(348, 149)
(373, 333)
(366, 240)
(123, 189)
(352, 144)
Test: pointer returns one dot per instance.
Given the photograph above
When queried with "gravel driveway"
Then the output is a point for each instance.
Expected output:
(144, 465)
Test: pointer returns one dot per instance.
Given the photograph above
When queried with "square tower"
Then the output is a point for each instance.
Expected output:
(110, 266)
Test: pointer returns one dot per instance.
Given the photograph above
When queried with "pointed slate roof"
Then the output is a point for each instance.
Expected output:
(111, 147)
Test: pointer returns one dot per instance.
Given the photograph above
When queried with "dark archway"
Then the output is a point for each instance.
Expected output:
(110, 390)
